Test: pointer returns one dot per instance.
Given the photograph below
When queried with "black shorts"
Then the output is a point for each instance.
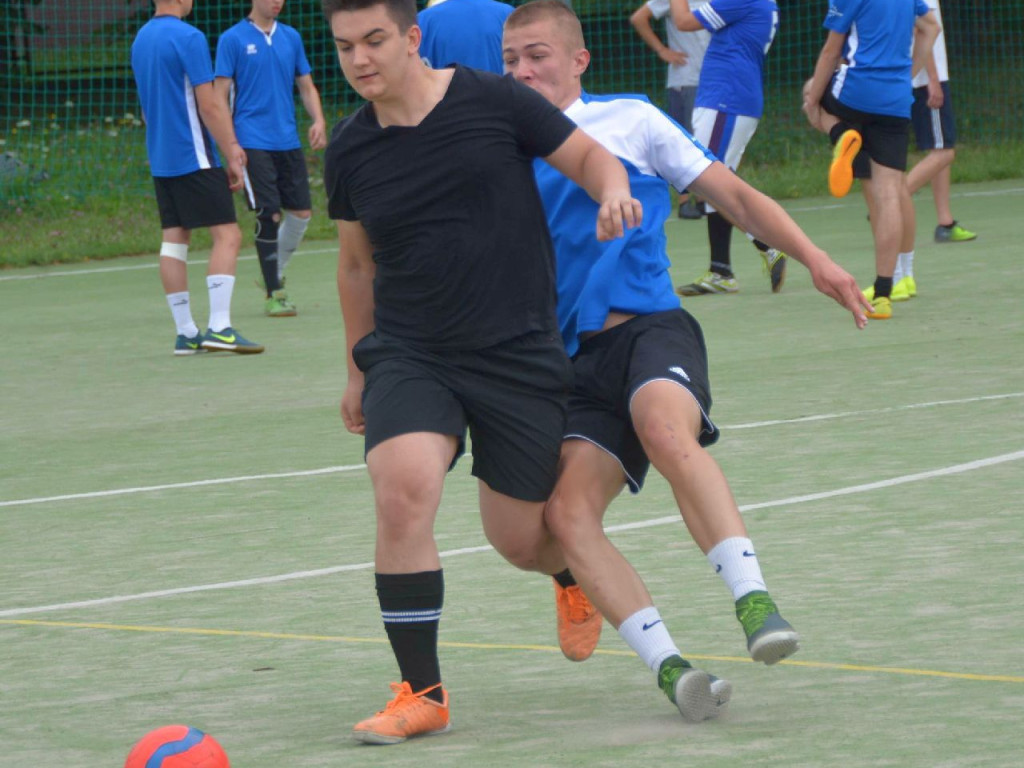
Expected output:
(276, 180)
(614, 364)
(195, 200)
(933, 128)
(511, 396)
(886, 139)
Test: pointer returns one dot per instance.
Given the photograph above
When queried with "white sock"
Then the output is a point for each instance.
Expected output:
(905, 264)
(647, 635)
(220, 288)
(735, 560)
(181, 311)
(288, 238)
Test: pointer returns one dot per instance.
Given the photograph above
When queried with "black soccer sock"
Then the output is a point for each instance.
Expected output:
(883, 286)
(720, 239)
(565, 579)
(761, 245)
(410, 606)
(266, 249)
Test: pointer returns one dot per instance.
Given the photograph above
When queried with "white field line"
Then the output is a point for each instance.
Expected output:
(849, 490)
(354, 467)
(133, 267)
(191, 484)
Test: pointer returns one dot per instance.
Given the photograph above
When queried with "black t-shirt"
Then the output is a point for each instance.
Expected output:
(464, 259)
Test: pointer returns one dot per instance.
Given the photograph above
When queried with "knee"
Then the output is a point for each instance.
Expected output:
(570, 520)
(227, 236)
(405, 509)
(266, 224)
(668, 443)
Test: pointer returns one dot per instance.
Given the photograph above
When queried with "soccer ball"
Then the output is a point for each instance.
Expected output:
(177, 746)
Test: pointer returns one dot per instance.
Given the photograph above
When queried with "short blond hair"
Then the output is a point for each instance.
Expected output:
(562, 15)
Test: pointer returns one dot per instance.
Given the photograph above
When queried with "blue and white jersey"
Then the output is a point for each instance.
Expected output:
(742, 31)
(170, 58)
(264, 66)
(466, 32)
(629, 274)
(874, 76)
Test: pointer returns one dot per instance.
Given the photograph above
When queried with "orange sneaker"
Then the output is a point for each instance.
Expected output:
(840, 172)
(579, 622)
(408, 714)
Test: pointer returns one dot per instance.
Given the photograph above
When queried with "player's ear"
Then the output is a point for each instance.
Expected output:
(580, 61)
(415, 37)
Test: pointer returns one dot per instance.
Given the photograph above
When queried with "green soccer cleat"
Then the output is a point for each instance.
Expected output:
(277, 305)
(770, 638)
(954, 233)
(709, 282)
(774, 266)
(230, 340)
(185, 345)
(698, 695)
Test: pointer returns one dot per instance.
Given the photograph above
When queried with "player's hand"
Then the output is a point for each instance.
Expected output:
(676, 58)
(935, 95)
(352, 406)
(832, 280)
(318, 135)
(617, 214)
(236, 162)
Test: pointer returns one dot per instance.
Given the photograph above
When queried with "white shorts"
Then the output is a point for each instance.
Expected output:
(725, 134)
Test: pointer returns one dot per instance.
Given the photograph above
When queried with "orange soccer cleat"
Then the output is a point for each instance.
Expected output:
(408, 714)
(579, 622)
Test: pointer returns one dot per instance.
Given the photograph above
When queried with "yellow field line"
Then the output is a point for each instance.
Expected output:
(500, 647)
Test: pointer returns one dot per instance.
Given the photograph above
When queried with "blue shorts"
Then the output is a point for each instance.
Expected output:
(933, 128)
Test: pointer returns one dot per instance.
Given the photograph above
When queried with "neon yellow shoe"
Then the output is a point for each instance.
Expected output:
(904, 290)
(954, 233)
(881, 308)
(840, 172)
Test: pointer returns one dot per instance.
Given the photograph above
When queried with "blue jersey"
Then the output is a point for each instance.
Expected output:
(264, 66)
(875, 74)
(629, 274)
(170, 58)
(466, 32)
(731, 77)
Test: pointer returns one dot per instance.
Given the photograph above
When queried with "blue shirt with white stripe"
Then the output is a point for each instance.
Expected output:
(874, 76)
(628, 274)
(264, 66)
(731, 77)
(169, 59)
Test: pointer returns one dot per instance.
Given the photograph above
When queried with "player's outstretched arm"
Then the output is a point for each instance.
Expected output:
(356, 269)
(604, 178)
(213, 109)
(766, 220)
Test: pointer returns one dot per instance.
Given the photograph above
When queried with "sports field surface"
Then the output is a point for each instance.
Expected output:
(191, 539)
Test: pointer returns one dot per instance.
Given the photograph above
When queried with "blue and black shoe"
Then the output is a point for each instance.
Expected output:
(230, 340)
(186, 345)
